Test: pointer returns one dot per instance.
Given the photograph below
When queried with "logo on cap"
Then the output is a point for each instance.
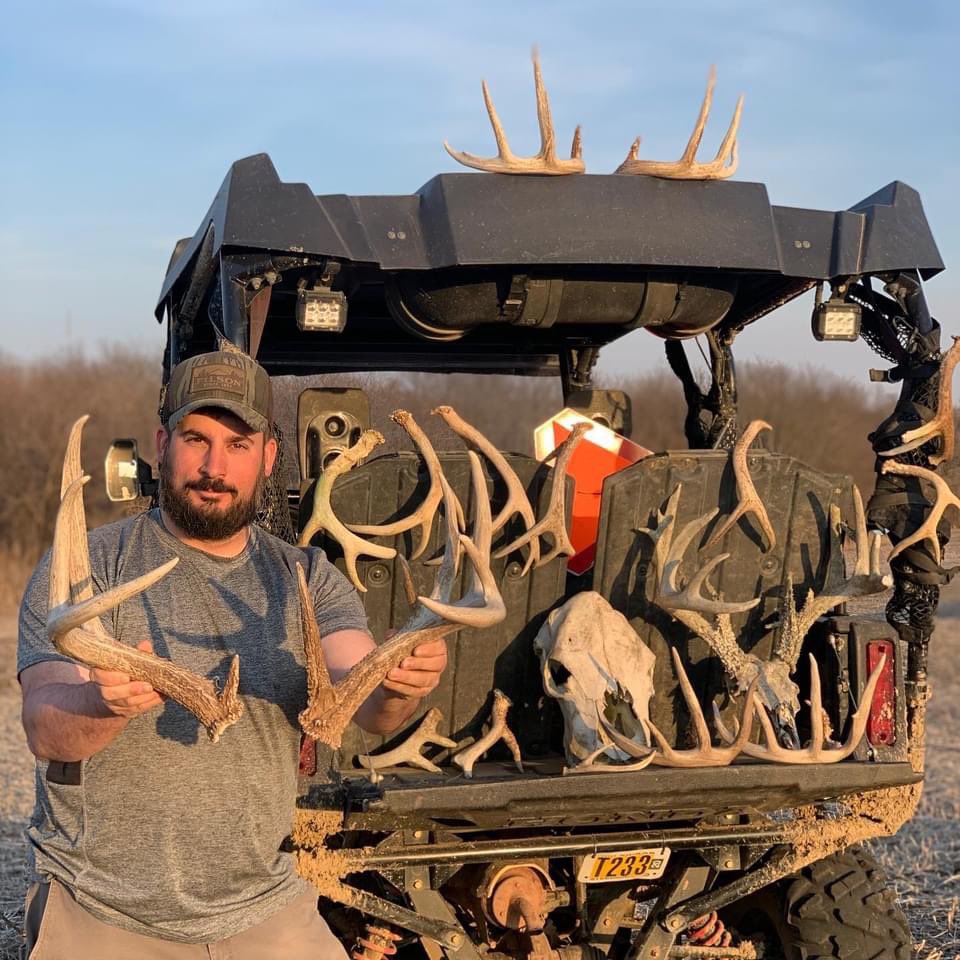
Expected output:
(217, 377)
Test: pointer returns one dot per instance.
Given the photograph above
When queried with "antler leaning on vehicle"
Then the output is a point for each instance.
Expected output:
(554, 520)
(73, 613)
(686, 168)
(331, 706)
(941, 423)
(748, 500)
(423, 516)
(517, 500)
(409, 750)
(543, 162)
(688, 604)
(818, 750)
(943, 500)
(499, 730)
(705, 754)
(323, 518)
(867, 579)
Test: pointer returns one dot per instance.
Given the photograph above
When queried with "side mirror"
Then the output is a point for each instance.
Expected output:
(127, 476)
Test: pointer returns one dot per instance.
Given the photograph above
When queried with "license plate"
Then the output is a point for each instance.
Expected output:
(646, 864)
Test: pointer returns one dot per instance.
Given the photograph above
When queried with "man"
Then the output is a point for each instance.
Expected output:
(149, 841)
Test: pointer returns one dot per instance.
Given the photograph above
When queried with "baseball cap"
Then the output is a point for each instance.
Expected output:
(228, 380)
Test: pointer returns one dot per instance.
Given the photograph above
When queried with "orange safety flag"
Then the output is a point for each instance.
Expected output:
(600, 453)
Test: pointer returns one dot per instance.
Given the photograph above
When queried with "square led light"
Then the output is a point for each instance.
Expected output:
(836, 320)
(322, 310)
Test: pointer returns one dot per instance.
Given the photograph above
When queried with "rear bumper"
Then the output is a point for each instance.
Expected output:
(499, 797)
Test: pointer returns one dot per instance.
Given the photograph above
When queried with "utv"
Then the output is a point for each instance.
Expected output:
(680, 834)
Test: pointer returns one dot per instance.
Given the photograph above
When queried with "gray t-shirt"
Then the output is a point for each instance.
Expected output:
(167, 834)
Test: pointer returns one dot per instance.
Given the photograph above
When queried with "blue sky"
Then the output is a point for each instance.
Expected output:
(121, 117)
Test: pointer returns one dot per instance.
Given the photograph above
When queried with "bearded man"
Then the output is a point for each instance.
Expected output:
(149, 841)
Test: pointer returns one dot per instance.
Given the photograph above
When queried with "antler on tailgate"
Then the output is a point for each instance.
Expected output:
(322, 516)
(554, 521)
(517, 501)
(74, 626)
(331, 706)
(423, 516)
(748, 500)
(687, 168)
(545, 161)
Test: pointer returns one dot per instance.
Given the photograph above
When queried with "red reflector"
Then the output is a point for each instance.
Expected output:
(308, 756)
(882, 721)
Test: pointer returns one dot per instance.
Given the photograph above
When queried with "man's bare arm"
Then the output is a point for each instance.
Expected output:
(70, 712)
(399, 696)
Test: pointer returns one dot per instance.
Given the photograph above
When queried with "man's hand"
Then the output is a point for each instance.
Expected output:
(419, 674)
(121, 695)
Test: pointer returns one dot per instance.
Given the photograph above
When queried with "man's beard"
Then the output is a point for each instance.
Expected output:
(207, 522)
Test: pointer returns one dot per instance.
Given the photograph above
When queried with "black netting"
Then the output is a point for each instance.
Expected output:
(274, 512)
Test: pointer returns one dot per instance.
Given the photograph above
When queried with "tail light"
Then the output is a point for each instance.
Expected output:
(882, 721)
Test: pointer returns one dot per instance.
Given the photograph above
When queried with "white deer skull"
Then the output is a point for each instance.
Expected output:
(593, 662)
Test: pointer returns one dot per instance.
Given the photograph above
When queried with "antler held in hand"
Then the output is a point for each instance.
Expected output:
(74, 626)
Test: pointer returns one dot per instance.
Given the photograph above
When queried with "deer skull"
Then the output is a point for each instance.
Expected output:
(594, 664)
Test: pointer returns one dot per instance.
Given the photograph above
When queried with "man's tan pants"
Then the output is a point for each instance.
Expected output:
(58, 928)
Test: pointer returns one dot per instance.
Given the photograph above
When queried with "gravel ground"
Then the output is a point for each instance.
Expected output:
(923, 860)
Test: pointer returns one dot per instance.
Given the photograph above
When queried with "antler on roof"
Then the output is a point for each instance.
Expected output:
(686, 168)
(545, 160)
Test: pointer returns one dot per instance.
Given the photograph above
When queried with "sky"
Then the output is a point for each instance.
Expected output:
(121, 118)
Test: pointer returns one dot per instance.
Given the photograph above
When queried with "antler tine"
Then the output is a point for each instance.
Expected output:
(941, 424)
(945, 498)
(722, 166)
(409, 750)
(748, 500)
(554, 521)
(423, 516)
(704, 754)
(545, 160)
(517, 500)
(816, 751)
(322, 516)
(73, 623)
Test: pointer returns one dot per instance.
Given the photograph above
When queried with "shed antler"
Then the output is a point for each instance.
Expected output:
(837, 588)
(74, 626)
(748, 500)
(941, 424)
(704, 754)
(423, 516)
(554, 521)
(322, 516)
(517, 500)
(686, 168)
(545, 161)
(499, 730)
(409, 751)
(943, 500)
(331, 706)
